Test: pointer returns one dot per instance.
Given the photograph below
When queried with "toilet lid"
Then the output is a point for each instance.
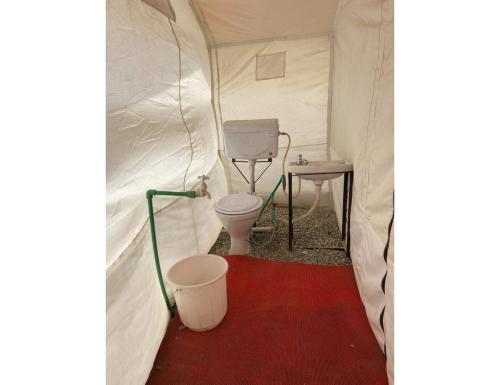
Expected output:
(240, 203)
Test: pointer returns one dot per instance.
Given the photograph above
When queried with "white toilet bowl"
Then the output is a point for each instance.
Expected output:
(237, 213)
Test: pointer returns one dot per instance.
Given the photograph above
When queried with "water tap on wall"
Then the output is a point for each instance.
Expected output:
(202, 191)
(301, 160)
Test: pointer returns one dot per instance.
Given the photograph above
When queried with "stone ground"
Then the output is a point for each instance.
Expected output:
(318, 230)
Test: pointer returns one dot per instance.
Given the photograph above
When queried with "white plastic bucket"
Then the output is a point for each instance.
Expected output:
(199, 284)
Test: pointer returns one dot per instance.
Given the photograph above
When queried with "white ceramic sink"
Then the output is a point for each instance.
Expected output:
(320, 170)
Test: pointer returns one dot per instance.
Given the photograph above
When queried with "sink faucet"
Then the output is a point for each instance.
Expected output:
(301, 160)
(202, 191)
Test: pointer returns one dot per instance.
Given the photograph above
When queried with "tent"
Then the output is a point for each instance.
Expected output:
(176, 70)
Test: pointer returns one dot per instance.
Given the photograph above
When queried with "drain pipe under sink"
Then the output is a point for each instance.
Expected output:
(317, 198)
(317, 187)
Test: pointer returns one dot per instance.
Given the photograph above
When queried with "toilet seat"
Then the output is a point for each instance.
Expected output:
(238, 204)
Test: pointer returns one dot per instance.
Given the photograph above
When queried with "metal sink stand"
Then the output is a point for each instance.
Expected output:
(346, 212)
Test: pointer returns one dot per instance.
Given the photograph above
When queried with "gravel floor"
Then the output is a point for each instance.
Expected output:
(318, 230)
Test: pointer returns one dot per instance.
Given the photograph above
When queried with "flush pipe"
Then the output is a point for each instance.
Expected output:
(317, 187)
(269, 199)
(251, 166)
(201, 192)
(262, 229)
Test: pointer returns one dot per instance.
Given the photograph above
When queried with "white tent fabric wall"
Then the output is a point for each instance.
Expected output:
(362, 132)
(298, 100)
(148, 147)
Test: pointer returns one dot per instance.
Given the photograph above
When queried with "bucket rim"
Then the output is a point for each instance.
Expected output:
(219, 276)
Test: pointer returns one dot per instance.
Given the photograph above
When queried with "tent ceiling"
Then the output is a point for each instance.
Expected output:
(242, 21)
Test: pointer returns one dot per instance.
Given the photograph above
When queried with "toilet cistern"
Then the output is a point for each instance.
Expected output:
(251, 140)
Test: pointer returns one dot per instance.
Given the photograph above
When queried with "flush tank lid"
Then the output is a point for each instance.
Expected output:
(253, 125)
(239, 203)
(251, 139)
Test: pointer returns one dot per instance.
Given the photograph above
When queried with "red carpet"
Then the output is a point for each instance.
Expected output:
(287, 323)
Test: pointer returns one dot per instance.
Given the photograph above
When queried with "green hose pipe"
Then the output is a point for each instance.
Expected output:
(271, 196)
(149, 195)
(189, 194)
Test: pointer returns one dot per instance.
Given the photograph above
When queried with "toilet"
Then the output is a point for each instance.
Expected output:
(237, 213)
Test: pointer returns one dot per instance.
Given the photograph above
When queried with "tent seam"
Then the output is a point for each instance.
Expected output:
(180, 103)
(375, 82)
(270, 39)
(208, 38)
(377, 91)
(217, 66)
(206, 33)
(198, 11)
(329, 120)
